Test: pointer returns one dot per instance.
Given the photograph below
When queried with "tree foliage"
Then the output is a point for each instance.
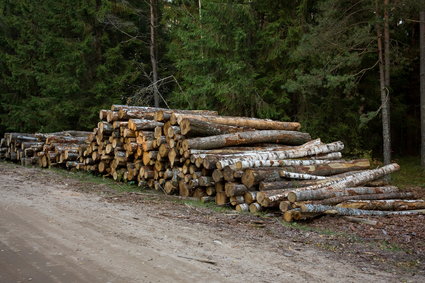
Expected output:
(311, 61)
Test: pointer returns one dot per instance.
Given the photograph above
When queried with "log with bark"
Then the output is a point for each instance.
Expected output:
(327, 209)
(387, 204)
(258, 124)
(312, 192)
(277, 136)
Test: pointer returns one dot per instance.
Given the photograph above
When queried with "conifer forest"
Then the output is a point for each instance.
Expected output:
(334, 66)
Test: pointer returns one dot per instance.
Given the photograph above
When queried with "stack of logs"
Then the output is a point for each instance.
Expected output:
(44, 150)
(251, 164)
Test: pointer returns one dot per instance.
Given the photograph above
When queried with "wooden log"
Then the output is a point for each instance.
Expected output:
(259, 124)
(276, 185)
(255, 207)
(135, 114)
(393, 195)
(243, 207)
(195, 127)
(277, 163)
(171, 187)
(326, 169)
(205, 181)
(65, 139)
(285, 154)
(104, 128)
(285, 205)
(310, 193)
(165, 114)
(277, 136)
(235, 200)
(173, 131)
(273, 198)
(299, 176)
(142, 124)
(185, 190)
(210, 190)
(297, 215)
(327, 209)
(219, 187)
(250, 197)
(217, 175)
(221, 198)
(235, 189)
(252, 177)
(387, 204)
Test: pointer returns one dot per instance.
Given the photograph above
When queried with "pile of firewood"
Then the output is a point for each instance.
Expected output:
(44, 150)
(250, 164)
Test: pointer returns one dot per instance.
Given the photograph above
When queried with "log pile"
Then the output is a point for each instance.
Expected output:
(40, 149)
(248, 163)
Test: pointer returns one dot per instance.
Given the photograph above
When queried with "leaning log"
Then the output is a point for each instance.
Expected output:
(311, 193)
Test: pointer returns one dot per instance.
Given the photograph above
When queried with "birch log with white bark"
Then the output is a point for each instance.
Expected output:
(276, 155)
(349, 181)
(327, 209)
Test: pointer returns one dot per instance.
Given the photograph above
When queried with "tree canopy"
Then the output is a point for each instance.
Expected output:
(309, 61)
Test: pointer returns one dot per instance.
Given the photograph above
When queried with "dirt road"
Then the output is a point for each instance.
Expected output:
(53, 231)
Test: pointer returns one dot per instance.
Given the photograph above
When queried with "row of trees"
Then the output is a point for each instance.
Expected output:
(332, 65)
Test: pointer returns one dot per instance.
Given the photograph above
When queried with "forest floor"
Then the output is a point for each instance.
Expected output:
(59, 226)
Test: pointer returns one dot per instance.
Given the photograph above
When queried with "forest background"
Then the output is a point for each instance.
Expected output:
(310, 61)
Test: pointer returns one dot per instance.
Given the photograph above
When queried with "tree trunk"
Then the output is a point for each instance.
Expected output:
(422, 81)
(385, 101)
(153, 49)
(387, 204)
(277, 136)
(258, 124)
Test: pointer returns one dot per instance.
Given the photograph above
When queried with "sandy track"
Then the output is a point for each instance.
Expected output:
(52, 233)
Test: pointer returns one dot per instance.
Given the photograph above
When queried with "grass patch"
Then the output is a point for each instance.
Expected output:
(90, 178)
(411, 173)
(306, 228)
(208, 205)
